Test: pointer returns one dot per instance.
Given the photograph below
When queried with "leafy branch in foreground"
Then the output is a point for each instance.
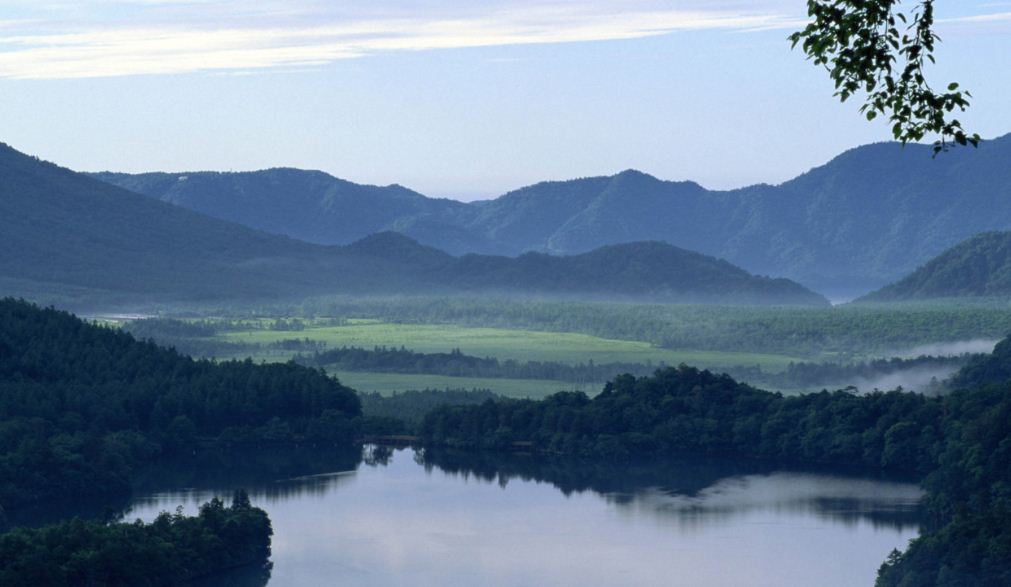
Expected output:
(873, 47)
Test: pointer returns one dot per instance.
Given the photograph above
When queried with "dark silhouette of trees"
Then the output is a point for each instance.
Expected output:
(83, 406)
(171, 550)
(873, 47)
(960, 444)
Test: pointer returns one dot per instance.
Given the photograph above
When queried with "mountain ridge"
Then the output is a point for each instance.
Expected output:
(977, 267)
(815, 228)
(61, 230)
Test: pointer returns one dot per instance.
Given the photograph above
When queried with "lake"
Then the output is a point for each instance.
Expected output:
(402, 517)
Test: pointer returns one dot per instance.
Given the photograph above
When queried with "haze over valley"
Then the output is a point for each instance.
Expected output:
(300, 293)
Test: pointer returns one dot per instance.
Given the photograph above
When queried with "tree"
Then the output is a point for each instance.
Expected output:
(874, 47)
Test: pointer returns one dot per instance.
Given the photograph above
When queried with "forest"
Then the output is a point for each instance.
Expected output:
(172, 549)
(960, 444)
(849, 330)
(81, 406)
(84, 407)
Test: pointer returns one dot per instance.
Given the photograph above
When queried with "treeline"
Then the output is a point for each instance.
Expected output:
(171, 550)
(685, 410)
(794, 331)
(83, 406)
(457, 364)
(961, 442)
(966, 538)
(807, 375)
(402, 412)
(197, 337)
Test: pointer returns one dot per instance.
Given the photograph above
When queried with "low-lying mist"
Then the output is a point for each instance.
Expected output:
(922, 379)
(950, 349)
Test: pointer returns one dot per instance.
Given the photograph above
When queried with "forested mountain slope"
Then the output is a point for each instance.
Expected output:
(977, 267)
(866, 218)
(60, 230)
(307, 205)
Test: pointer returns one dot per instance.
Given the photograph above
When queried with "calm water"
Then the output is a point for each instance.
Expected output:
(427, 520)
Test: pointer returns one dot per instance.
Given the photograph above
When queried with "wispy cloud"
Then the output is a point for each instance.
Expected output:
(192, 36)
(980, 18)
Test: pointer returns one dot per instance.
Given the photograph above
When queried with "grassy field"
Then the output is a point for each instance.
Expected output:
(502, 343)
(387, 383)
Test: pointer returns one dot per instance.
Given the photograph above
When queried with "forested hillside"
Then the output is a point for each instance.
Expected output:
(66, 233)
(815, 228)
(83, 406)
(977, 267)
(307, 205)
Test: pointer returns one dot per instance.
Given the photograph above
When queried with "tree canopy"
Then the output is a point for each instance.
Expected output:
(875, 47)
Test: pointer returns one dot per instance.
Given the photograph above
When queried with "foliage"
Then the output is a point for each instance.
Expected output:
(82, 406)
(966, 540)
(684, 410)
(171, 550)
(986, 369)
(400, 413)
(457, 364)
(852, 329)
(961, 442)
(977, 267)
(802, 375)
(871, 46)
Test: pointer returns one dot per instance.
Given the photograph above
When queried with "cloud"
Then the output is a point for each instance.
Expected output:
(980, 18)
(193, 37)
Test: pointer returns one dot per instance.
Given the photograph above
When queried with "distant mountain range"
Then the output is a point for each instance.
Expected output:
(977, 267)
(866, 218)
(67, 233)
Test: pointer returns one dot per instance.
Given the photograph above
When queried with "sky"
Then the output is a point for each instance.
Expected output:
(455, 98)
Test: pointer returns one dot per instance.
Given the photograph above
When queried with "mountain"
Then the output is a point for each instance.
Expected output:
(65, 233)
(979, 266)
(862, 220)
(307, 205)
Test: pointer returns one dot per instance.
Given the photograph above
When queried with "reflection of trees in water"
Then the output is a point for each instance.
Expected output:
(701, 491)
(268, 474)
(248, 576)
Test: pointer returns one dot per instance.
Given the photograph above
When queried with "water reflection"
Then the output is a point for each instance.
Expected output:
(432, 519)
(698, 491)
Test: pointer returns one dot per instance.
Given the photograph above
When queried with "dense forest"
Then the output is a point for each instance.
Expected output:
(171, 550)
(977, 267)
(685, 410)
(457, 364)
(83, 406)
(960, 442)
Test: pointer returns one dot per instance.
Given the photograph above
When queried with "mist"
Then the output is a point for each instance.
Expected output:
(915, 379)
(950, 349)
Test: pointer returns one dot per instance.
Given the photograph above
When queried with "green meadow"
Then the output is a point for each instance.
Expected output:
(501, 343)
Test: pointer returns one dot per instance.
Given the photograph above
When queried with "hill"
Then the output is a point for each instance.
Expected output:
(977, 267)
(65, 232)
(816, 228)
(83, 406)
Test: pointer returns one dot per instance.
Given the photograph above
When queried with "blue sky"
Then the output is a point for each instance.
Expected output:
(458, 99)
